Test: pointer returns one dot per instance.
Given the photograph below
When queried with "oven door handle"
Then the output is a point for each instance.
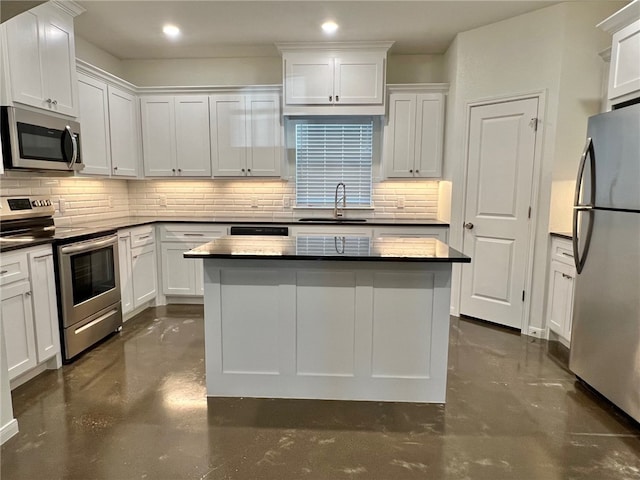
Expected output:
(91, 245)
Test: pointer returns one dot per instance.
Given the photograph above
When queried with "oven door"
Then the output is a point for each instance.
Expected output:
(89, 278)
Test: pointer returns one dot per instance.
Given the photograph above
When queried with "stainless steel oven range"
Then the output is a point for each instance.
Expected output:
(89, 292)
(87, 276)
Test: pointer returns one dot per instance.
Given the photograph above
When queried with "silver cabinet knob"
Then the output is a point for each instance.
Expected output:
(468, 226)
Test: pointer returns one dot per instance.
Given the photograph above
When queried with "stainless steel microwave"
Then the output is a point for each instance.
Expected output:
(39, 141)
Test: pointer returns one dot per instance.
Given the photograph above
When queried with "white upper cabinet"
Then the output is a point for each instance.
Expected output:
(414, 134)
(175, 136)
(41, 59)
(246, 135)
(624, 70)
(110, 128)
(124, 128)
(335, 79)
(94, 115)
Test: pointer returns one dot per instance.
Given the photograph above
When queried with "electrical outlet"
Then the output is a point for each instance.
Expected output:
(286, 202)
(162, 199)
(62, 205)
(254, 202)
(400, 202)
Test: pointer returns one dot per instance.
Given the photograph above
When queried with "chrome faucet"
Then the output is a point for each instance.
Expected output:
(339, 212)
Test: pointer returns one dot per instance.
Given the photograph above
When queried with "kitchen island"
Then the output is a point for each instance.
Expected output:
(327, 317)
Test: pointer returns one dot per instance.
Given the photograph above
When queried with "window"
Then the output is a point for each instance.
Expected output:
(331, 151)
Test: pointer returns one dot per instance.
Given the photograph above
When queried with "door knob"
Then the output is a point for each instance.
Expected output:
(468, 226)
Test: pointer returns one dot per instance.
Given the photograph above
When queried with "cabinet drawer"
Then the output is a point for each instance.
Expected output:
(141, 236)
(191, 233)
(562, 250)
(13, 267)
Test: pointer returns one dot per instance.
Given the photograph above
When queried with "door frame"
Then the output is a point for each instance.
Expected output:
(541, 96)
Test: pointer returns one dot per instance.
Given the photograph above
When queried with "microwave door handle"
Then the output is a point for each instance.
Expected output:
(74, 147)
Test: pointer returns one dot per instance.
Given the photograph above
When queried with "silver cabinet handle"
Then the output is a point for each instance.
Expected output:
(43, 256)
(48, 100)
(469, 226)
(194, 234)
(54, 102)
(144, 237)
(330, 97)
(564, 275)
(3, 272)
(337, 98)
(28, 294)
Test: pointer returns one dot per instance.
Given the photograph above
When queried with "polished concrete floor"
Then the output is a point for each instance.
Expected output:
(135, 408)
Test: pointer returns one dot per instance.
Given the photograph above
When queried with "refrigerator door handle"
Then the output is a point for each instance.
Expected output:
(586, 208)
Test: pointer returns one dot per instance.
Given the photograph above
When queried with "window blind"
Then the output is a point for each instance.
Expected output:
(333, 245)
(330, 153)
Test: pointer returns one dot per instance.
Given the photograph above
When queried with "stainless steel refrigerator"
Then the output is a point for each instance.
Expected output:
(605, 338)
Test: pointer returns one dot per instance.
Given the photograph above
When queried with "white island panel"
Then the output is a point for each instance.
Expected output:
(327, 330)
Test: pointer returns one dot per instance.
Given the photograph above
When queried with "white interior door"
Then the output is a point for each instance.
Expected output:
(501, 151)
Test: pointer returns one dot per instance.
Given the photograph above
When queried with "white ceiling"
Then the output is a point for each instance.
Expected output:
(132, 29)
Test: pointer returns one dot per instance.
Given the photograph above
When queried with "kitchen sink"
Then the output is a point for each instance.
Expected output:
(333, 220)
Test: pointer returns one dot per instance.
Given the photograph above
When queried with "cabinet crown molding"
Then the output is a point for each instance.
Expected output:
(72, 8)
(623, 17)
(333, 46)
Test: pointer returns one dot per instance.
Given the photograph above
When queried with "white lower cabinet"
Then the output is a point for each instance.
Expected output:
(28, 309)
(138, 268)
(45, 303)
(17, 328)
(184, 276)
(562, 274)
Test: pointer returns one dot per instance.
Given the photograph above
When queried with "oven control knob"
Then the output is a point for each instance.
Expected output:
(48, 203)
(34, 203)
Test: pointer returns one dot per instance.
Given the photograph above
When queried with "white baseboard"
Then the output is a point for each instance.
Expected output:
(9, 430)
(536, 332)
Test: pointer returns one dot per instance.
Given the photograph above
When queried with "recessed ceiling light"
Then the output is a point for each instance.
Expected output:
(330, 27)
(171, 31)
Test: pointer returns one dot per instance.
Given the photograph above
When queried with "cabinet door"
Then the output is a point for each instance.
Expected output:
(158, 136)
(126, 274)
(264, 156)
(429, 135)
(193, 148)
(400, 135)
(59, 62)
(17, 328)
(308, 79)
(45, 304)
(123, 126)
(560, 302)
(94, 117)
(23, 47)
(143, 265)
(359, 79)
(228, 135)
(178, 273)
(624, 75)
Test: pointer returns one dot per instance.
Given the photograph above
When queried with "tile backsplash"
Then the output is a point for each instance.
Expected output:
(77, 200)
(81, 200)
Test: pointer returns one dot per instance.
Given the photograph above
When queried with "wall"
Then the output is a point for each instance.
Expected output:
(220, 199)
(525, 54)
(415, 69)
(85, 199)
(249, 70)
(96, 56)
(204, 71)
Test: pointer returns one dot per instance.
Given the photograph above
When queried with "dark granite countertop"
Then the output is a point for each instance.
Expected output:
(567, 235)
(320, 247)
(82, 231)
